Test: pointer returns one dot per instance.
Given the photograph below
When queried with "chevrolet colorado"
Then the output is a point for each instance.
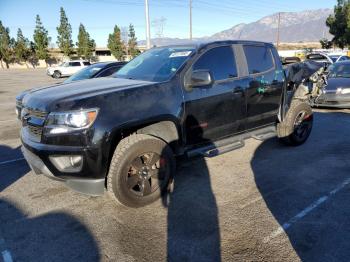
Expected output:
(123, 134)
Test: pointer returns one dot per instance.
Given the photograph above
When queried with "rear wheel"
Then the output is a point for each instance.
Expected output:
(141, 169)
(56, 74)
(297, 126)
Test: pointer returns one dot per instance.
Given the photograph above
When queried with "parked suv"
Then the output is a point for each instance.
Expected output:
(123, 134)
(66, 68)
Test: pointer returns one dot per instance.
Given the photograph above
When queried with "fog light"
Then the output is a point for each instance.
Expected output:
(66, 163)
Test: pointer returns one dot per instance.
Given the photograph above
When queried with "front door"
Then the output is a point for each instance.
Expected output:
(215, 111)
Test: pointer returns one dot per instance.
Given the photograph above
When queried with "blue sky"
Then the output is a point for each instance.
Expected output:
(100, 16)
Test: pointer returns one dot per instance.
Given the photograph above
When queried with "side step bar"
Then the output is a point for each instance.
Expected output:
(263, 134)
(217, 148)
(228, 144)
(223, 149)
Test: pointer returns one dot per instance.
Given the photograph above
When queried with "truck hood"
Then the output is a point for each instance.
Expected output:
(45, 98)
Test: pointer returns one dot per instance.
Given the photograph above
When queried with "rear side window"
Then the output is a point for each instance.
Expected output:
(86, 63)
(259, 59)
(74, 63)
(219, 61)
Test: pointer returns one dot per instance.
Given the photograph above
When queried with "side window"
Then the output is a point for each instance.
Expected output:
(259, 58)
(109, 71)
(74, 63)
(86, 63)
(219, 61)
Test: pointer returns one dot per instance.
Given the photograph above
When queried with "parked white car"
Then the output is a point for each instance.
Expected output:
(66, 68)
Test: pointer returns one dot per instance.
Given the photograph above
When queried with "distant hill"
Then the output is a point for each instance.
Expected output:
(305, 26)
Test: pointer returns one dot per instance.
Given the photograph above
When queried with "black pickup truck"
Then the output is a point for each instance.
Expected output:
(123, 134)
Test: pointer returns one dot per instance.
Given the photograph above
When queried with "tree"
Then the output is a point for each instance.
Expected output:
(339, 24)
(325, 43)
(22, 48)
(85, 45)
(6, 44)
(115, 44)
(64, 37)
(41, 40)
(33, 58)
(132, 42)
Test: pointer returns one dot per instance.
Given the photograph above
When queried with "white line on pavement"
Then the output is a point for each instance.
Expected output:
(11, 161)
(305, 211)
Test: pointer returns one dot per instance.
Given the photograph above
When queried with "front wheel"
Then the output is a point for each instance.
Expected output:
(56, 74)
(141, 169)
(297, 126)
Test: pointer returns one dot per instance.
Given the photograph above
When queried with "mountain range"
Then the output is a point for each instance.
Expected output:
(305, 26)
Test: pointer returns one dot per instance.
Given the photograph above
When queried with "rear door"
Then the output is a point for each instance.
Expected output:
(216, 111)
(264, 92)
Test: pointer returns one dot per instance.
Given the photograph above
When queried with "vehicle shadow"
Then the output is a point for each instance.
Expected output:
(292, 180)
(11, 171)
(55, 236)
(193, 232)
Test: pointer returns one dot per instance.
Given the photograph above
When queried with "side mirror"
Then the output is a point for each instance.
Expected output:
(200, 78)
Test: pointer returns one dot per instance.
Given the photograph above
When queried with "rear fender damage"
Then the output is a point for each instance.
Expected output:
(304, 81)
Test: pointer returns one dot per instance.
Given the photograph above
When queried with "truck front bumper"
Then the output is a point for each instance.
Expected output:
(89, 186)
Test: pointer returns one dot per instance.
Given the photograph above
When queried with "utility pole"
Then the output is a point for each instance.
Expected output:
(148, 31)
(278, 30)
(190, 19)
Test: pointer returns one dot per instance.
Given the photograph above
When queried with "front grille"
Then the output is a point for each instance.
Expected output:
(36, 113)
(19, 103)
(35, 130)
(33, 121)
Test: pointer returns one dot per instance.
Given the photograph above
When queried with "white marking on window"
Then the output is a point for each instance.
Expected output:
(179, 54)
(6, 256)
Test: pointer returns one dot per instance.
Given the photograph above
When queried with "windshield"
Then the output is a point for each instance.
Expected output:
(157, 64)
(339, 70)
(85, 73)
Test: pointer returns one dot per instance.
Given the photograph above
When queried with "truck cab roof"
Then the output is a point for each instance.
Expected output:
(202, 44)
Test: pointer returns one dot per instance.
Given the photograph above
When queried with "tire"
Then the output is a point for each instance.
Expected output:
(297, 126)
(56, 74)
(141, 169)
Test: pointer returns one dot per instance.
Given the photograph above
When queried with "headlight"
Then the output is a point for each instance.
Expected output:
(64, 122)
(345, 91)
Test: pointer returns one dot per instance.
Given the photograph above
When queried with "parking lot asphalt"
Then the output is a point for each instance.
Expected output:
(264, 202)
